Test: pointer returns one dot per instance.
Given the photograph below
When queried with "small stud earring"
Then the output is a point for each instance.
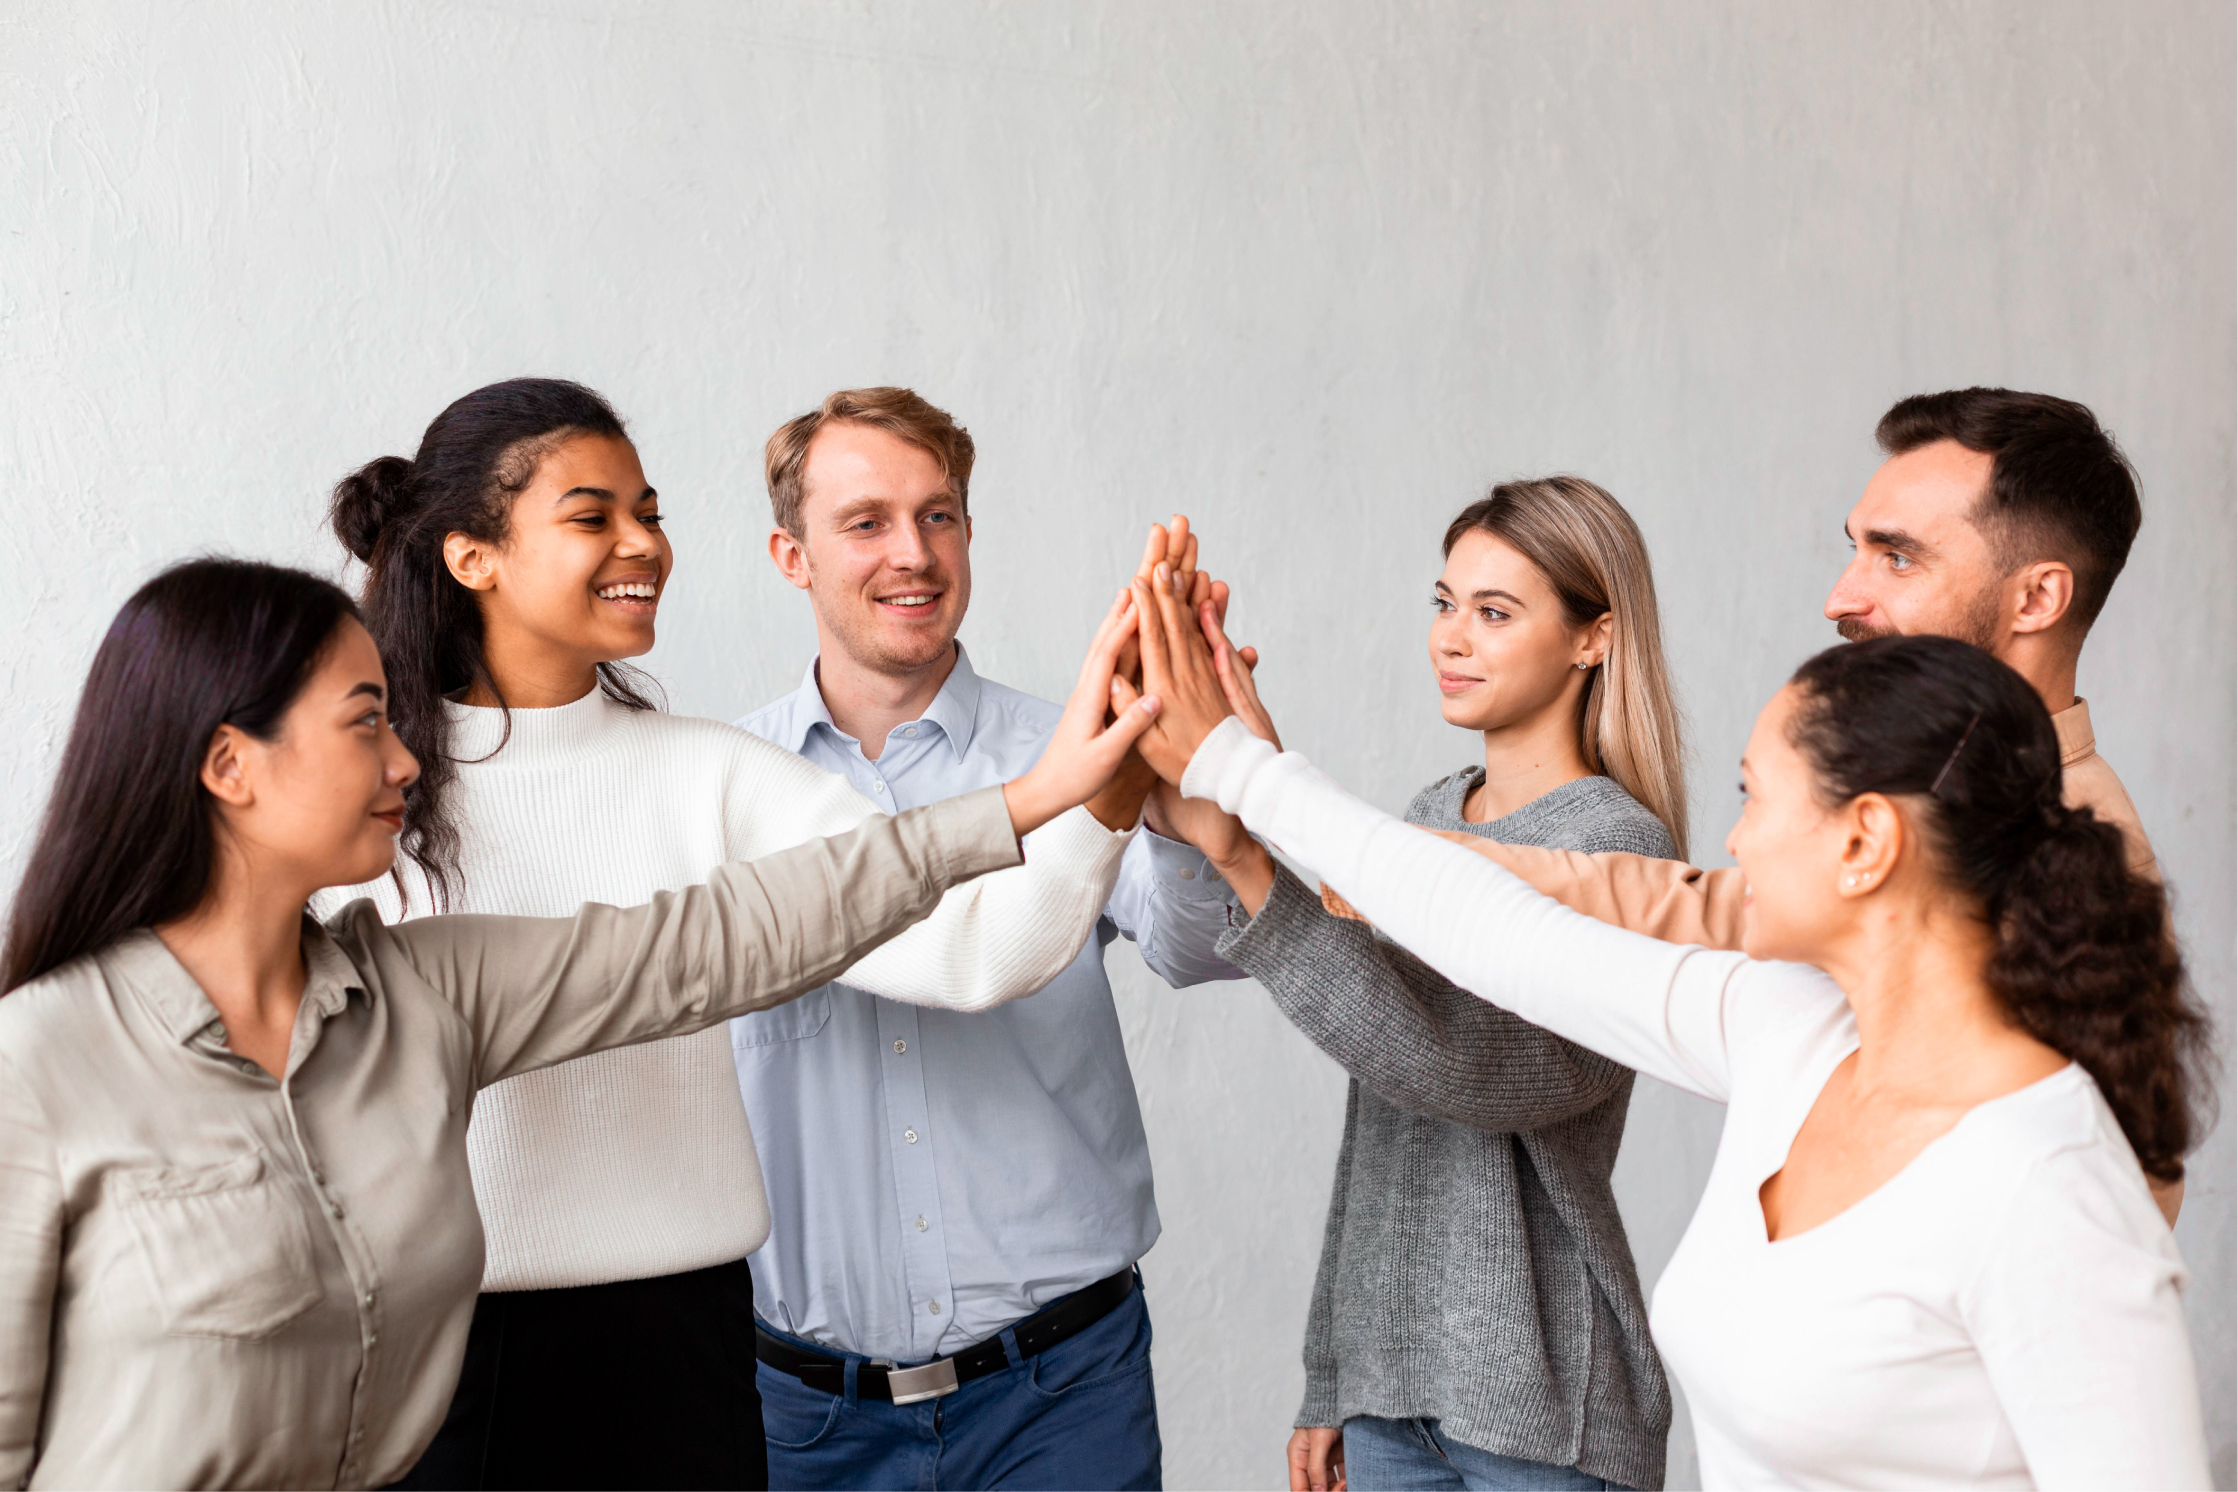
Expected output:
(1849, 880)
(1582, 667)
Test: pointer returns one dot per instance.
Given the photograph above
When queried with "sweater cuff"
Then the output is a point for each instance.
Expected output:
(1320, 1410)
(1224, 763)
(1255, 942)
(970, 835)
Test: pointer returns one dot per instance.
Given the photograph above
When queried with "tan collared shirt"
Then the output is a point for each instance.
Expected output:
(1681, 903)
(212, 1279)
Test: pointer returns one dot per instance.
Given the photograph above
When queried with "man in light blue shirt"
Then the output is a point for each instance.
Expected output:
(957, 1201)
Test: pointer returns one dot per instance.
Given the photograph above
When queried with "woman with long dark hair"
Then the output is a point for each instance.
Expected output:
(512, 565)
(1958, 1042)
(238, 1240)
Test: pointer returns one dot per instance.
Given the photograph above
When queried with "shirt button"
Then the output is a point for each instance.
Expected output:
(369, 1297)
(335, 1208)
(910, 1135)
(922, 1225)
(934, 1308)
(878, 787)
(900, 1047)
(1187, 874)
(910, 731)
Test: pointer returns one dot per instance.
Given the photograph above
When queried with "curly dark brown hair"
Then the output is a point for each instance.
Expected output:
(2084, 961)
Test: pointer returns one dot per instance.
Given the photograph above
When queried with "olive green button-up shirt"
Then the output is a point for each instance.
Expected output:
(209, 1278)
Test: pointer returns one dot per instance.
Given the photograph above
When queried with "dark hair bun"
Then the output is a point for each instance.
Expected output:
(369, 501)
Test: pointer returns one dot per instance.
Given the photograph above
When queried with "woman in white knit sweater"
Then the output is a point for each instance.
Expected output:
(1957, 1044)
(512, 562)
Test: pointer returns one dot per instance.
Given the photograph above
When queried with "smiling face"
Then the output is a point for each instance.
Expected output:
(1788, 843)
(1923, 566)
(578, 579)
(1502, 647)
(322, 802)
(884, 549)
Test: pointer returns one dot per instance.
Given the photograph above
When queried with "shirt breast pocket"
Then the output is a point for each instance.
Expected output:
(795, 1020)
(228, 1251)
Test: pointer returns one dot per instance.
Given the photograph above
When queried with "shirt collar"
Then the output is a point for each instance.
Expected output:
(150, 968)
(955, 709)
(2076, 740)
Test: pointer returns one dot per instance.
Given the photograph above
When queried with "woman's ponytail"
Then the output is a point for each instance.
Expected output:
(2084, 961)
(2084, 964)
(370, 502)
(394, 515)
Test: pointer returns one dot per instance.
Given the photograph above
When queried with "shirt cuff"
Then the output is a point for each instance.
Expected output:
(1182, 870)
(971, 834)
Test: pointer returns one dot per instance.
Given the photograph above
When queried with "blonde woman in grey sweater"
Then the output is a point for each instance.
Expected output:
(1477, 1320)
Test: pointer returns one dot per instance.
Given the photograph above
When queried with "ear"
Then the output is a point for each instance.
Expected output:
(2044, 592)
(790, 556)
(224, 771)
(1872, 846)
(967, 530)
(472, 562)
(1598, 633)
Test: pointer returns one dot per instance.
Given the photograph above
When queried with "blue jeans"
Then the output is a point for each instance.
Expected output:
(1413, 1455)
(1078, 1415)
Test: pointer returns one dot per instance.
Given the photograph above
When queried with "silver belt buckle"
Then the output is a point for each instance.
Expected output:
(934, 1380)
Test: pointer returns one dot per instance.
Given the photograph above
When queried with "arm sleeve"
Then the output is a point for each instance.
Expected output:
(31, 1223)
(1660, 1009)
(536, 991)
(2077, 1313)
(1174, 906)
(999, 938)
(1408, 1032)
(1666, 899)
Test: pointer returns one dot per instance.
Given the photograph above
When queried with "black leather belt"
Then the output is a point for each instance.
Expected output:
(1044, 1329)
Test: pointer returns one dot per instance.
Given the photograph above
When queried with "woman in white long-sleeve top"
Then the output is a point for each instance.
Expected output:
(1958, 1042)
(512, 566)
(238, 1242)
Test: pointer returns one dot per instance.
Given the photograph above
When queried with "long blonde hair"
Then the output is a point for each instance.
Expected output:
(1591, 553)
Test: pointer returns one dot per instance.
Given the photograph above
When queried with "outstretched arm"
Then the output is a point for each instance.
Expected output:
(1406, 1031)
(1666, 899)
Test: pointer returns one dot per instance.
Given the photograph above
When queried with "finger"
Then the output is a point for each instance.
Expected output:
(1111, 745)
(1189, 557)
(1177, 540)
(1156, 674)
(1124, 695)
(1250, 657)
(1219, 599)
(1153, 550)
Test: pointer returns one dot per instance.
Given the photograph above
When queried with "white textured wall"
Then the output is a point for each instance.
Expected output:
(1314, 272)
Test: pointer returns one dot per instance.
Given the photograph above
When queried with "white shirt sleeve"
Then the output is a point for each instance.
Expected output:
(992, 940)
(2077, 1311)
(1659, 1008)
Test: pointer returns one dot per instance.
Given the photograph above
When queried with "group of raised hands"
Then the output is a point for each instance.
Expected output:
(1159, 677)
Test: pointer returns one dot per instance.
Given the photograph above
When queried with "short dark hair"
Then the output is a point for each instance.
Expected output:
(902, 413)
(2059, 488)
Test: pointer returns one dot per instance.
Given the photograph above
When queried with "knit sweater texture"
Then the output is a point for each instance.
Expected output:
(639, 1162)
(1474, 1269)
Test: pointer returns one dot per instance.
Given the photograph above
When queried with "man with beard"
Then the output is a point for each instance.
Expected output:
(2001, 519)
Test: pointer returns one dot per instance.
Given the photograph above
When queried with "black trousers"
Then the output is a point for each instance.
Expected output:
(643, 1383)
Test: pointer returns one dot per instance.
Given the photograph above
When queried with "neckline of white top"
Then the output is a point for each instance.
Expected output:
(2040, 1089)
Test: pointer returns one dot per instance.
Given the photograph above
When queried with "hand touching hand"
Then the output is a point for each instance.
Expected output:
(1084, 752)
(1177, 667)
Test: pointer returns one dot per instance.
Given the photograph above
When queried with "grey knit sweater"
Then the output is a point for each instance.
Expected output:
(1474, 1269)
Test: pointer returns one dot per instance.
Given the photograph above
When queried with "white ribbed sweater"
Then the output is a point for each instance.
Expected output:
(639, 1162)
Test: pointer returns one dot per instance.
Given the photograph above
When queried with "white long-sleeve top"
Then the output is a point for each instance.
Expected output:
(2004, 1312)
(640, 1162)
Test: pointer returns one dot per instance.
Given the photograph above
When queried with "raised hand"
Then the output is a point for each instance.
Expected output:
(1177, 667)
(1085, 752)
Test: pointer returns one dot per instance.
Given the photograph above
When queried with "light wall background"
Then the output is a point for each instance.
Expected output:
(1312, 272)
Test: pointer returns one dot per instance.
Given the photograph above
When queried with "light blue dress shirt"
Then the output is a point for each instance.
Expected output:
(936, 1175)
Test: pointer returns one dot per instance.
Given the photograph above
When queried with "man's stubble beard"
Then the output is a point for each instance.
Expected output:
(865, 642)
(1976, 624)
